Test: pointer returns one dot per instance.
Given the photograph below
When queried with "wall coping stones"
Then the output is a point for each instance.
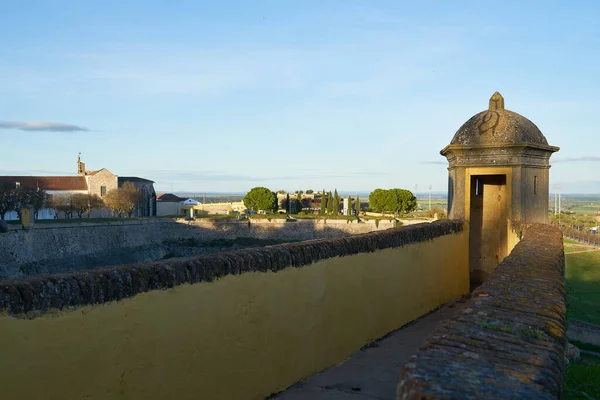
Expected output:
(509, 341)
(30, 297)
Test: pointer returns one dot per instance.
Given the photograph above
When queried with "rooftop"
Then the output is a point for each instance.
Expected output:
(47, 182)
(496, 125)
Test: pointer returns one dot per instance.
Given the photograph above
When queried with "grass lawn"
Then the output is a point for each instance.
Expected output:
(582, 380)
(213, 216)
(583, 286)
(588, 209)
(571, 249)
(570, 241)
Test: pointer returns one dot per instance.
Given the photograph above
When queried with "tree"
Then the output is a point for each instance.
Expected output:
(378, 200)
(260, 198)
(131, 197)
(287, 203)
(409, 201)
(60, 203)
(357, 205)
(6, 200)
(113, 200)
(123, 200)
(397, 201)
(22, 198)
(79, 203)
(336, 203)
(309, 191)
(39, 198)
(330, 203)
(95, 203)
(323, 203)
(85, 203)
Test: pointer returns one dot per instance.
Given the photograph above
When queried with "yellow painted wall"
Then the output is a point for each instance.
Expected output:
(240, 337)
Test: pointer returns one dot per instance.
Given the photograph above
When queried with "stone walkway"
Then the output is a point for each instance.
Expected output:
(373, 372)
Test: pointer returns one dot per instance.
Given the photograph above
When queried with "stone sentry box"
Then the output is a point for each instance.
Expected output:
(498, 172)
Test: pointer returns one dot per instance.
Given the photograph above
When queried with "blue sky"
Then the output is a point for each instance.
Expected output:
(354, 95)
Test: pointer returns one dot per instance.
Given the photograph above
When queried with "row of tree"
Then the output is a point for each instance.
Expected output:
(330, 203)
(395, 201)
(78, 204)
(122, 201)
(17, 198)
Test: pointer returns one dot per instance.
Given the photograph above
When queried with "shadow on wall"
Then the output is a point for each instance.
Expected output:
(69, 247)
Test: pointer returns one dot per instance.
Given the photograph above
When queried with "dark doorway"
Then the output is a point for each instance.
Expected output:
(488, 228)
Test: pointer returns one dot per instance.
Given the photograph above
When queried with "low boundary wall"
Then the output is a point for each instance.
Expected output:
(509, 342)
(234, 325)
(585, 332)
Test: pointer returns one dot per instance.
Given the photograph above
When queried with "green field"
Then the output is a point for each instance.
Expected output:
(582, 378)
(570, 241)
(586, 209)
(583, 284)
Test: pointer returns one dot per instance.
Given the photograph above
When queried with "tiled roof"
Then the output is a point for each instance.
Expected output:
(169, 198)
(47, 182)
(95, 172)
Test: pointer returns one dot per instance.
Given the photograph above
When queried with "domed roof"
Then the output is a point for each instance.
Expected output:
(498, 126)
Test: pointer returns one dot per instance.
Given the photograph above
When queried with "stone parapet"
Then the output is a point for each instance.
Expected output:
(509, 342)
(32, 296)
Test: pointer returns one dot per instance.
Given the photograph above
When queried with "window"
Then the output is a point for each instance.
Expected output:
(102, 190)
(535, 185)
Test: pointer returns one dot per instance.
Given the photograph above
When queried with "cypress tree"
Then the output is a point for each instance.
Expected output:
(357, 205)
(330, 199)
(336, 203)
(323, 202)
(349, 205)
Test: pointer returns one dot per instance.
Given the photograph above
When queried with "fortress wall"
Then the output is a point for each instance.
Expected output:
(235, 325)
(509, 341)
(56, 247)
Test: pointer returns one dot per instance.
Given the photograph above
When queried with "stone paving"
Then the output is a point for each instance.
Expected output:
(373, 372)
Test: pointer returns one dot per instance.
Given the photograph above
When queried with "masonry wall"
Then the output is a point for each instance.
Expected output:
(99, 179)
(237, 325)
(509, 341)
(56, 247)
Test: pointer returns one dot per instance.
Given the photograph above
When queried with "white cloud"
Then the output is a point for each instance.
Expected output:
(41, 126)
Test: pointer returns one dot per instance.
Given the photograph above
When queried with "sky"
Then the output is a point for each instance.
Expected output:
(354, 95)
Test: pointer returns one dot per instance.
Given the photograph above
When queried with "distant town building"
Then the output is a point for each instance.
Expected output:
(168, 204)
(146, 206)
(98, 182)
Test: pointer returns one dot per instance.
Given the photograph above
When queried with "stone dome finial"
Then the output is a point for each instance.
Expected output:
(496, 102)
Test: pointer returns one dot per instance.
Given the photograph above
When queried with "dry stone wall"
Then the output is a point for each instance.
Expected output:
(49, 248)
(509, 342)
